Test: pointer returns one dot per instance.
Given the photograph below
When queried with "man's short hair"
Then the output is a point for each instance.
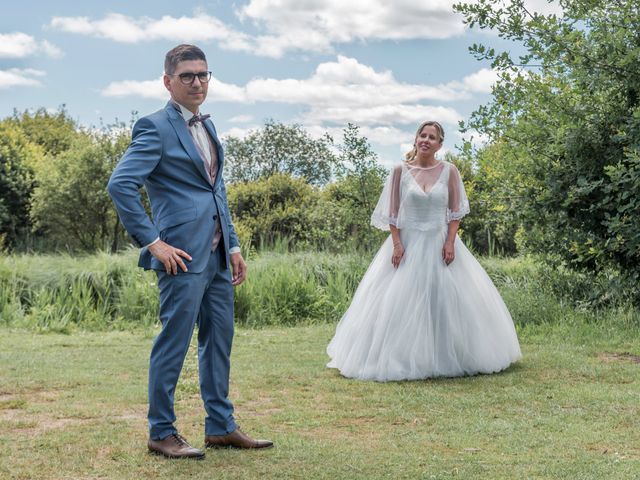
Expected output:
(179, 54)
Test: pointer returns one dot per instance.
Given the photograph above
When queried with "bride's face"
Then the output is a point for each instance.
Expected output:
(428, 140)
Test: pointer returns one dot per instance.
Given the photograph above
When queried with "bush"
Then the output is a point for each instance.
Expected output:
(570, 129)
(275, 207)
(101, 292)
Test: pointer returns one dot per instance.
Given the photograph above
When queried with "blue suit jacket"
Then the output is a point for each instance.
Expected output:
(162, 156)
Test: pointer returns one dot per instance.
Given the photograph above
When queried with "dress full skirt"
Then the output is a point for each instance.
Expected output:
(424, 319)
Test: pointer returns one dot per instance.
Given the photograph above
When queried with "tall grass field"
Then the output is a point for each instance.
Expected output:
(64, 293)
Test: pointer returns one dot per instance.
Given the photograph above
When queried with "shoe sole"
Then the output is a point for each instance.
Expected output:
(176, 457)
(223, 447)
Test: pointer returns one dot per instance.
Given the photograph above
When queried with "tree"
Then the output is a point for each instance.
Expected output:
(279, 148)
(54, 132)
(274, 208)
(71, 203)
(567, 114)
(490, 178)
(17, 157)
(355, 194)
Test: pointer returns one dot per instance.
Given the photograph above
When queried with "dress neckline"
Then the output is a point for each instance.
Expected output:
(427, 192)
(440, 162)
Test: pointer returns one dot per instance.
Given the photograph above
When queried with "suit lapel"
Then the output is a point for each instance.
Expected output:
(208, 124)
(180, 126)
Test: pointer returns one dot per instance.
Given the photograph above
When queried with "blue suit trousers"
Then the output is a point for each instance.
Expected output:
(187, 298)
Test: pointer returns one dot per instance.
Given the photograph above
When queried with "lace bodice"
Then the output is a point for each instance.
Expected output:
(421, 198)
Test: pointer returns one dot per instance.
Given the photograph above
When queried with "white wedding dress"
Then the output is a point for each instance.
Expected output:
(423, 319)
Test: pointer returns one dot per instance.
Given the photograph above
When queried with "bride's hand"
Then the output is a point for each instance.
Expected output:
(448, 253)
(398, 253)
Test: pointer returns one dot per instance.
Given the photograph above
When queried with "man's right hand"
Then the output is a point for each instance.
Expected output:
(169, 256)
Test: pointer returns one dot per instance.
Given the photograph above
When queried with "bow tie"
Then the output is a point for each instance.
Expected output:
(197, 118)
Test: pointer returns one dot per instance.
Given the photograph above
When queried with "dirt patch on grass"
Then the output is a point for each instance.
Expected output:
(19, 401)
(609, 357)
(34, 394)
(32, 425)
(12, 403)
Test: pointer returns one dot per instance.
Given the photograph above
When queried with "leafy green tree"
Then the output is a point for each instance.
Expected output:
(567, 114)
(490, 178)
(17, 157)
(70, 203)
(274, 208)
(355, 193)
(54, 132)
(279, 148)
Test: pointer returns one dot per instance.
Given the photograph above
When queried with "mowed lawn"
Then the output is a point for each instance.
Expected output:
(74, 406)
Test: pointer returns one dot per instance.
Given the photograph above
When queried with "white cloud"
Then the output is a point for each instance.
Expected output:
(16, 77)
(21, 45)
(238, 132)
(348, 91)
(337, 93)
(17, 45)
(544, 7)
(285, 25)
(50, 49)
(292, 25)
(384, 115)
(121, 28)
(317, 26)
(144, 89)
(241, 119)
(385, 135)
(476, 138)
(218, 91)
(478, 82)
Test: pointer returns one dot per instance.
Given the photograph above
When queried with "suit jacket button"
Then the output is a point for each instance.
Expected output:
(215, 217)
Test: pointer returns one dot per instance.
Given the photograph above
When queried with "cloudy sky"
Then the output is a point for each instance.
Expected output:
(384, 65)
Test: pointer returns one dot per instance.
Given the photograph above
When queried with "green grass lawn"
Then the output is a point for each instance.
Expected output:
(74, 406)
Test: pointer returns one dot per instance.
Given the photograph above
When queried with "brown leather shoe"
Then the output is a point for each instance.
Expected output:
(235, 439)
(174, 446)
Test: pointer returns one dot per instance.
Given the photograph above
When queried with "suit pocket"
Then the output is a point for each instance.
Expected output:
(175, 218)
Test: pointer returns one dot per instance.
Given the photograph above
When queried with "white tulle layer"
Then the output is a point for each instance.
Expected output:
(424, 319)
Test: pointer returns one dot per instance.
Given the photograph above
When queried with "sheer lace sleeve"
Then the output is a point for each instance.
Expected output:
(386, 211)
(458, 201)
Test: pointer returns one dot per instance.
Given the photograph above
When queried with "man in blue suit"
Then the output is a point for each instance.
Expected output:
(191, 243)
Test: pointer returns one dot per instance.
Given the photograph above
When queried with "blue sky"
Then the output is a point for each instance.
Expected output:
(385, 66)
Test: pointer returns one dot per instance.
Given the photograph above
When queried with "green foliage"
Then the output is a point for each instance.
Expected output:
(570, 126)
(279, 148)
(280, 206)
(292, 289)
(353, 197)
(490, 179)
(28, 145)
(71, 204)
(63, 293)
(101, 292)
(54, 132)
(17, 157)
(274, 207)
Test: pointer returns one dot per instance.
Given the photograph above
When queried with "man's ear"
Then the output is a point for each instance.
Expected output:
(167, 81)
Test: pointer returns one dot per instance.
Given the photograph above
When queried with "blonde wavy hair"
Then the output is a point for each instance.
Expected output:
(411, 155)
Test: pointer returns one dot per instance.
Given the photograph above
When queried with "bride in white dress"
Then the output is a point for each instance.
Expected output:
(425, 307)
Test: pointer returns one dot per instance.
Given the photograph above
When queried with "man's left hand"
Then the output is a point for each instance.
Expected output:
(238, 268)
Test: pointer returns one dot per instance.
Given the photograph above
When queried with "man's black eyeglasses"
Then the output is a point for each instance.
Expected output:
(187, 78)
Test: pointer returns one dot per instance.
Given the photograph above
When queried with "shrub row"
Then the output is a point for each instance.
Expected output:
(99, 292)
